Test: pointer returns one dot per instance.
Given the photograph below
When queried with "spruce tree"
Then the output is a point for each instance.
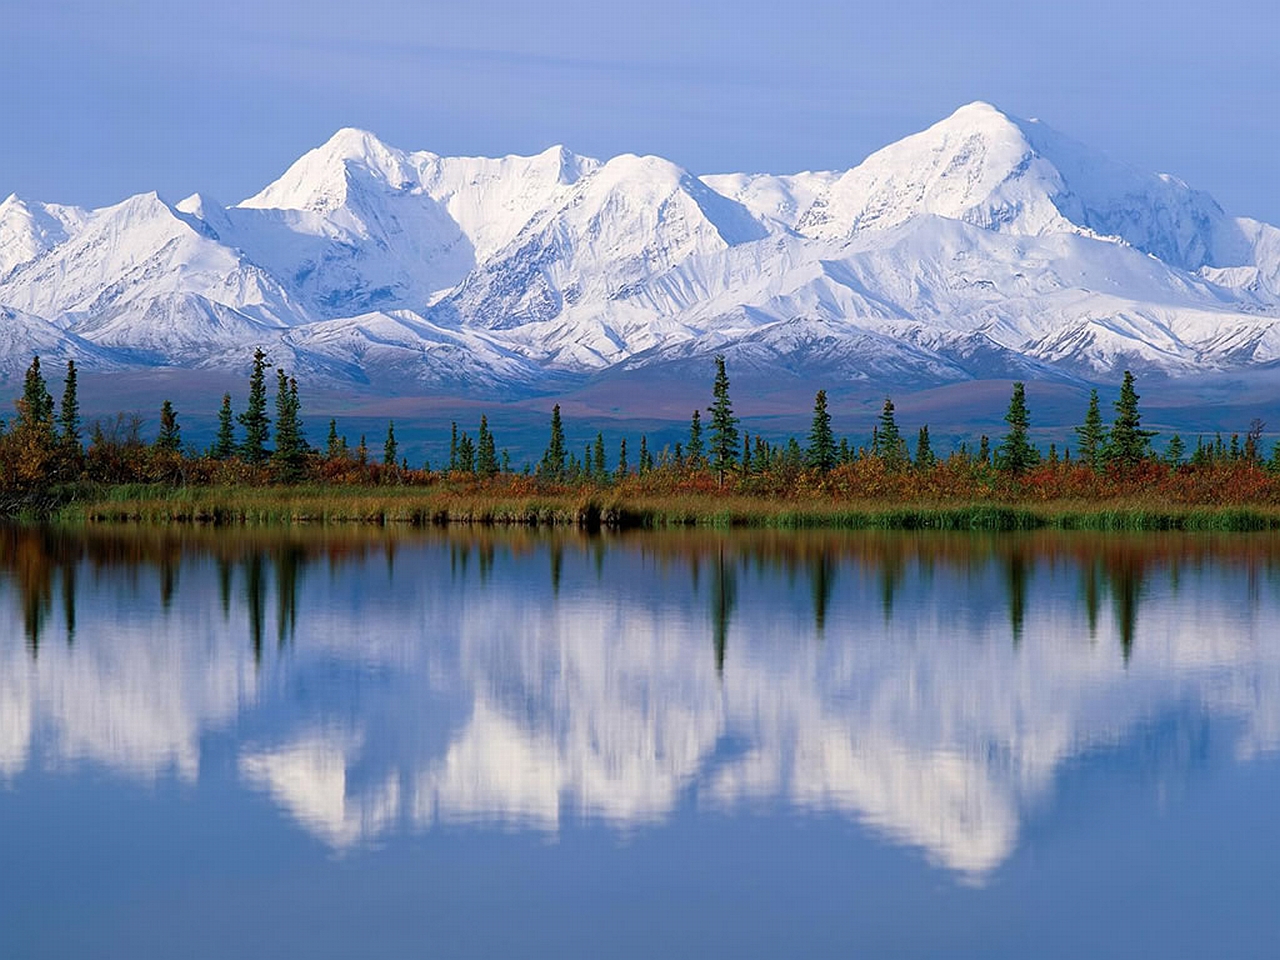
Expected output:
(599, 467)
(486, 451)
(390, 448)
(289, 452)
(646, 459)
(886, 440)
(553, 459)
(984, 450)
(453, 445)
(37, 404)
(1129, 444)
(69, 414)
(255, 421)
(466, 454)
(821, 454)
(362, 453)
(1091, 450)
(1176, 450)
(925, 460)
(1016, 454)
(335, 446)
(724, 425)
(170, 438)
(623, 467)
(693, 454)
(224, 441)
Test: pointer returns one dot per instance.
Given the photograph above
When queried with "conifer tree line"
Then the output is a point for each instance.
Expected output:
(44, 443)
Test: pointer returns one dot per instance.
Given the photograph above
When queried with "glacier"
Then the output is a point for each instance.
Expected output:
(984, 246)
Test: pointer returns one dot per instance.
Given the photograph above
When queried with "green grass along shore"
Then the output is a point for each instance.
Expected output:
(443, 504)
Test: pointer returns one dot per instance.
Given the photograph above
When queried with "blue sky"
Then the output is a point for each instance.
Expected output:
(105, 99)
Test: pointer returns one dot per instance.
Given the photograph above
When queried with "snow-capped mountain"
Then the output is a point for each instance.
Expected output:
(982, 246)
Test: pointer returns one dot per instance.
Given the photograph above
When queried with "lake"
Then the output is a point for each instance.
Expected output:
(478, 743)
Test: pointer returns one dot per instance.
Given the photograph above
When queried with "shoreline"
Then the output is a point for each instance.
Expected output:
(594, 508)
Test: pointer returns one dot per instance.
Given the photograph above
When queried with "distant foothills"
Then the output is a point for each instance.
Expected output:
(264, 467)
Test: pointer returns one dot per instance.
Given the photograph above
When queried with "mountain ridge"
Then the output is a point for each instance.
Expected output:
(981, 245)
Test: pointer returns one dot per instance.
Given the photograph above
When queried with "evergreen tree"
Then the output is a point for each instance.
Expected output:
(255, 421)
(693, 454)
(390, 448)
(1129, 444)
(37, 404)
(170, 438)
(553, 459)
(886, 439)
(623, 467)
(822, 442)
(1093, 436)
(506, 462)
(69, 415)
(746, 453)
(793, 458)
(984, 449)
(599, 467)
(335, 446)
(486, 450)
(845, 455)
(1016, 454)
(466, 454)
(646, 459)
(724, 425)
(1174, 453)
(224, 441)
(453, 446)
(290, 450)
(925, 459)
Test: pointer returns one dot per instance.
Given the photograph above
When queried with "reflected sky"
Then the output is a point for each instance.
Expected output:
(940, 696)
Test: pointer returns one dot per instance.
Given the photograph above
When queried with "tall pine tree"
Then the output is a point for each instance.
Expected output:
(724, 425)
(1128, 444)
(390, 448)
(886, 440)
(821, 454)
(170, 438)
(224, 441)
(288, 456)
(486, 450)
(1091, 448)
(69, 414)
(693, 453)
(1016, 454)
(255, 421)
(553, 460)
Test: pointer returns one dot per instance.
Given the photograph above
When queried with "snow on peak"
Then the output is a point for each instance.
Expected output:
(318, 181)
(976, 166)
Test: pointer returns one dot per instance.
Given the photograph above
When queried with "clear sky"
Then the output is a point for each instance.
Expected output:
(105, 98)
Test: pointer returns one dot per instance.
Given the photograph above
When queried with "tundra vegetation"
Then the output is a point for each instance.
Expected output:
(268, 471)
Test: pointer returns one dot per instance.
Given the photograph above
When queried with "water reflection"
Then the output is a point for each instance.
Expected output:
(932, 687)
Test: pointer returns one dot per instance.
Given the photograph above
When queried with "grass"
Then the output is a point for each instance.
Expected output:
(449, 504)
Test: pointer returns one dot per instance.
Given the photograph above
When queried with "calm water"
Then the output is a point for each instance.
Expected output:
(358, 744)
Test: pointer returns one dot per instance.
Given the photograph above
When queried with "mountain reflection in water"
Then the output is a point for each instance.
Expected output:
(377, 683)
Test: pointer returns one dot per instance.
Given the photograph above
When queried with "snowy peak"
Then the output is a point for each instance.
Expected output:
(29, 229)
(976, 165)
(984, 167)
(320, 179)
(984, 245)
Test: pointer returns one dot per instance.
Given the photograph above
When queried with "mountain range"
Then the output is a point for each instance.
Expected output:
(982, 247)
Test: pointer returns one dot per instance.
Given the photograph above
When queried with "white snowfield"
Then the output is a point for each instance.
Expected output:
(982, 246)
